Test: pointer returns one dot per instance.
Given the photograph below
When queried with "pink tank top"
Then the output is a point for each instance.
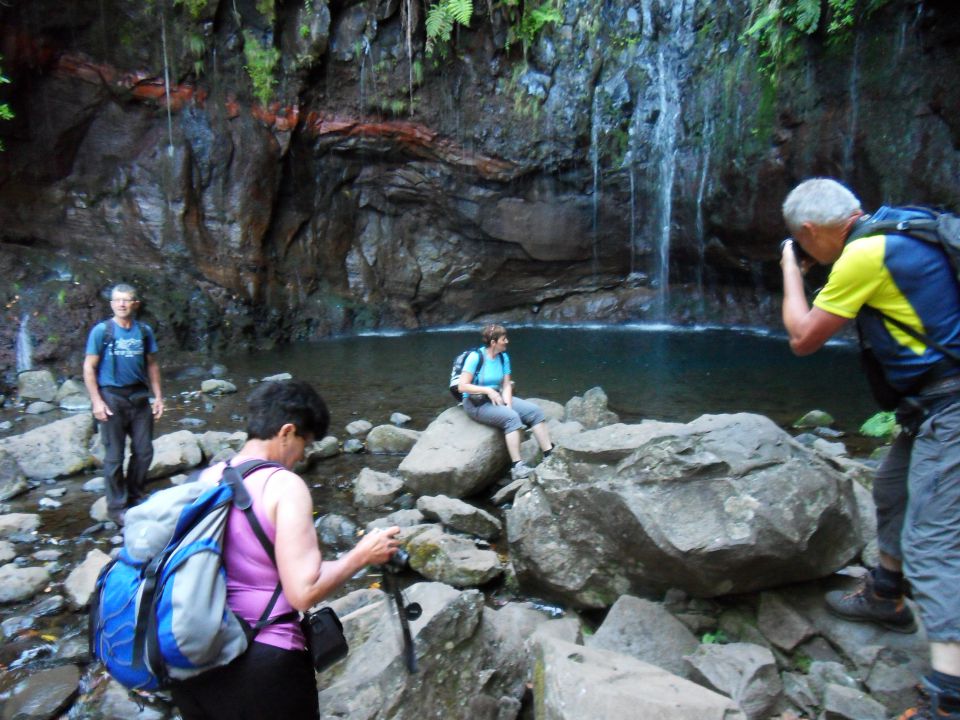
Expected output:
(251, 576)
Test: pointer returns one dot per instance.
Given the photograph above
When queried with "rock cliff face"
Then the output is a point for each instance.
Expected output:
(627, 164)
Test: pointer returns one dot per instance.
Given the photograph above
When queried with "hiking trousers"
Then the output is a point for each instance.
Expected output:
(265, 683)
(133, 417)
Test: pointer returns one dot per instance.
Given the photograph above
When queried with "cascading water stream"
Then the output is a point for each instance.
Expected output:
(850, 139)
(24, 345)
(595, 162)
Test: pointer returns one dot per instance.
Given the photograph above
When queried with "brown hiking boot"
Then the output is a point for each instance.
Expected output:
(864, 605)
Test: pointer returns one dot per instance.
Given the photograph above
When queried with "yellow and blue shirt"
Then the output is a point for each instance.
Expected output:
(906, 279)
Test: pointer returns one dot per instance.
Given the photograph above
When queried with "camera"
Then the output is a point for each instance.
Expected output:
(399, 561)
(799, 253)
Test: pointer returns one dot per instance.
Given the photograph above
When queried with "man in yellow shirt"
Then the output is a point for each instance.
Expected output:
(878, 279)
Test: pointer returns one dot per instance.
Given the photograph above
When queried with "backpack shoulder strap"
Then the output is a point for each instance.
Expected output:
(242, 499)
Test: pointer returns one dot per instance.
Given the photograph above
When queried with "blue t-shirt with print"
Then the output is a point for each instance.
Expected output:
(122, 363)
(492, 372)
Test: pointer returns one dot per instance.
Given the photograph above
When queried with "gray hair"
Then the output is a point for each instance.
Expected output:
(124, 288)
(820, 201)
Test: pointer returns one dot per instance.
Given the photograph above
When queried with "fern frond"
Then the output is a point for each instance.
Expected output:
(460, 10)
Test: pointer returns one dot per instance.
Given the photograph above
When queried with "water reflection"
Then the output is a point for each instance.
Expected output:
(646, 371)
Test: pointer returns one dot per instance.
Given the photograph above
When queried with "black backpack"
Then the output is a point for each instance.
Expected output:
(940, 228)
(458, 362)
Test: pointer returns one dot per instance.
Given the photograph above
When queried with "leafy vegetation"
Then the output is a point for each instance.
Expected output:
(714, 638)
(531, 20)
(880, 425)
(194, 7)
(441, 18)
(5, 112)
(261, 62)
(779, 26)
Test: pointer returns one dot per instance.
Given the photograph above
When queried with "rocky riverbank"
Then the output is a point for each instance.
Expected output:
(650, 569)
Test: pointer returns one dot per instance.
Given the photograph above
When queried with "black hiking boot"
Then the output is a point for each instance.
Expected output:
(864, 605)
(933, 705)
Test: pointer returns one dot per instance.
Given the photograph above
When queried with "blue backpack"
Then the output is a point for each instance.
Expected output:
(159, 611)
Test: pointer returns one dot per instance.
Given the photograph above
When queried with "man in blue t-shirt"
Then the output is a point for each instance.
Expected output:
(120, 373)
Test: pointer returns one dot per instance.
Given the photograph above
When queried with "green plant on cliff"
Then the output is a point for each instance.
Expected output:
(194, 7)
(527, 20)
(261, 62)
(5, 112)
(267, 9)
(779, 26)
(441, 18)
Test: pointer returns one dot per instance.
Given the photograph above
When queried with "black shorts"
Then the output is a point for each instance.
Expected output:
(265, 683)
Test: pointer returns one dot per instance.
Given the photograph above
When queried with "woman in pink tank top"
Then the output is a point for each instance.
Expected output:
(274, 678)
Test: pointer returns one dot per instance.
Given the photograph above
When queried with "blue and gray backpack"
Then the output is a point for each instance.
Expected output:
(159, 612)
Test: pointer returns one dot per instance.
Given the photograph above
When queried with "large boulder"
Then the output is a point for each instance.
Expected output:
(59, 449)
(37, 385)
(473, 661)
(175, 452)
(573, 682)
(724, 504)
(454, 456)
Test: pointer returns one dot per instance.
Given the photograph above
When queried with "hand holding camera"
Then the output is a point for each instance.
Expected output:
(801, 257)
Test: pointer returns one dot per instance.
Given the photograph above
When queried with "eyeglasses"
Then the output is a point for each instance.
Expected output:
(123, 301)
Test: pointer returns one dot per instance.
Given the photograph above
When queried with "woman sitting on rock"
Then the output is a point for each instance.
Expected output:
(488, 398)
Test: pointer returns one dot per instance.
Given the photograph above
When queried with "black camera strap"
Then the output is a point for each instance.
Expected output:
(409, 651)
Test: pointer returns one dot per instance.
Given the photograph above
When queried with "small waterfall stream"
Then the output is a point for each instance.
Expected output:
(24, 345)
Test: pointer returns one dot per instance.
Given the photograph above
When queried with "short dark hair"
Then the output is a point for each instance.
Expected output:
(273, 404)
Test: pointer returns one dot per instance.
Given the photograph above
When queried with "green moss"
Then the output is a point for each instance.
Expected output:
(194, 7)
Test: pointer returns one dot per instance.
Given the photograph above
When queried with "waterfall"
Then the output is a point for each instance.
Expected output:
(595, 162)
(24, 345)
(701, 191)
(850, 139)
(667, 38)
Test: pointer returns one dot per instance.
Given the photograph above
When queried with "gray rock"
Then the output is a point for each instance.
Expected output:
(336, 531)
(353, 446)
(399, 419)
(454, 456)
(13, 626)
(590, 410)
(50, 605)
(7, 553)
(48, 503)
(213, 442)
(797, 690)
(822, 674)
(80, 584)
(95, 485)
(581, 683)
(39, 407)
(58, 449)
(450, 559)
(12, 480)
(646, 631)
(279, 377)
(724, 504)
(70, 388)
(76, 403)
(400, 518)
(814, 419)
(174, 452)
(21, 583)
(12, 523)
(893, 678)
(375, 489)
(780, 623)
(118, 702)
(45, 694)
(464, 652)
(358, 428)
(458, 515)
(747, 673)
(37, 385)
(844, 703)
(391, 440)
(216, 386)
(508, 491)
(326, 448)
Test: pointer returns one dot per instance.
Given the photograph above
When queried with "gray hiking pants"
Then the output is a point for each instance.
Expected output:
(917, 493)
(508, 419)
